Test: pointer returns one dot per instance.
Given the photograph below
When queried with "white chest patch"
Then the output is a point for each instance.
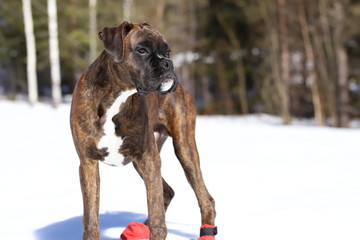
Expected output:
(110, 140)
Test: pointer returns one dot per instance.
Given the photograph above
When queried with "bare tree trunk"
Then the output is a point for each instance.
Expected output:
(328, 68)
(266, 91)
(73, 73)
(274, 62)
(342, 63)
(127, 10)
(322, 68)
(191, 38)
(92, 30)
(205, 89)
(159, 14)
(310, 58)
(284, 52)
(31, 52)
(225, 93)
(54, 53)
(187, 36)
(235, 42)
(343, 73)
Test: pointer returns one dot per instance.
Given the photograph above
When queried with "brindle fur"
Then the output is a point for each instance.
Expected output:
(172, 114)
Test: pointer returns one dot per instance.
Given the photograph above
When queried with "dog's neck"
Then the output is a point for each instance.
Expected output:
(105, 71)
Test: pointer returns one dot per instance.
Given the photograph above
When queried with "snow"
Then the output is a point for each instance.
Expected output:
(269, 181)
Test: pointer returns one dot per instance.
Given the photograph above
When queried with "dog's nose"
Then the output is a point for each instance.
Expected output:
(167, 64)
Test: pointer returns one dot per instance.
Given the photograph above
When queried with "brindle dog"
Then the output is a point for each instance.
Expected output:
(124, 107)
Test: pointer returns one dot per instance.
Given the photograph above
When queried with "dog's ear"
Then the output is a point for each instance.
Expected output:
(113, 39)
(145, 24)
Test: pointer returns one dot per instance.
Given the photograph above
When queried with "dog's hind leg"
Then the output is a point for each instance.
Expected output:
(181, 125)
(90, 186)
(168, 194)
(186, 152)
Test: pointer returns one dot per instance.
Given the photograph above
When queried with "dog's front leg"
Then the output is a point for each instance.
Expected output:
(90, 186)
(150, 168)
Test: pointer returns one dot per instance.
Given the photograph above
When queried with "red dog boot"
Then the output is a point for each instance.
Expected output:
(136, 231)
(207, 232)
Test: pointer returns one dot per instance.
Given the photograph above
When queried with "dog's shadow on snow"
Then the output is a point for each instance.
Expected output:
(71, 229)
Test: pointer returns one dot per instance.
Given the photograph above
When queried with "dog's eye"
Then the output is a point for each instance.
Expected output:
(142, 51)
(168, 54)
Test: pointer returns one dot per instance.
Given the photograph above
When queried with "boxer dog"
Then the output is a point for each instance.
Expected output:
(124, 107)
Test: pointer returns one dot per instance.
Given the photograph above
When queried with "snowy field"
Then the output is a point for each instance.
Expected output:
(269, 181)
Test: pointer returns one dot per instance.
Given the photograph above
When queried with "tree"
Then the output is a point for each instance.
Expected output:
(127, 10)
(234, 56)
(310, 60)
(92, 30)
(230, 31)
(326, 60)
(54, 53)
(31, 52)
(342, 62)
(284, 57)
(268, 12)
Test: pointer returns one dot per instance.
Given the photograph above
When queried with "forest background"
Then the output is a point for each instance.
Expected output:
(291, 58)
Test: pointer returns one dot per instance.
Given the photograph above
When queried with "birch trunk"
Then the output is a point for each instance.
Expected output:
(92, 30)
(31, 52)
(54, 53)
(127, 10)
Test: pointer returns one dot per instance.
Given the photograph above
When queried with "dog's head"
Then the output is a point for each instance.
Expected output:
(144, 53)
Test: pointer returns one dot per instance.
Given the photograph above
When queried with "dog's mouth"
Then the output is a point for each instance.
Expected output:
(167, 84)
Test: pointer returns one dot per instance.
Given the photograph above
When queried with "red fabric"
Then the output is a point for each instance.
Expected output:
(139, 231)
(136, 231)
(207, 226)
(205, 238)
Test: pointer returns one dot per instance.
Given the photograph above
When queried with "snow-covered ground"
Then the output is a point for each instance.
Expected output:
(269, 181)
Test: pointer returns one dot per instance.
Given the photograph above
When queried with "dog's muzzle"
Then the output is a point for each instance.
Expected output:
(161, 79)
(169, 79)
(165, 83)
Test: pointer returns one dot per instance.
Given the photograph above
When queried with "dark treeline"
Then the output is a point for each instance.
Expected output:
(292, 58)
